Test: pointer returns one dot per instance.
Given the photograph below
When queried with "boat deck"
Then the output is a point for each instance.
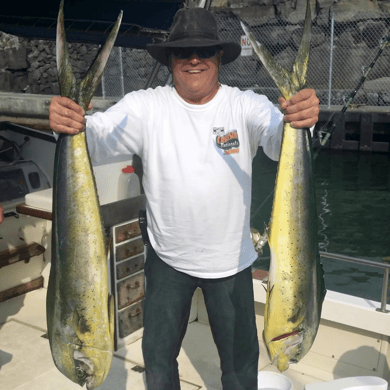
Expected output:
(26, 362)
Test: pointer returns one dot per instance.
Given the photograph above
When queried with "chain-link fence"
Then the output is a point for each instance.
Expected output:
(339, 53)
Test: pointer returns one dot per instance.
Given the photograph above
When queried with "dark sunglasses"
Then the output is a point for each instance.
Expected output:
(184, 53)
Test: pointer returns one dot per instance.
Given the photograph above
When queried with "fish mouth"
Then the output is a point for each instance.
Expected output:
(286, 335)
(84, 369)
(282, 350)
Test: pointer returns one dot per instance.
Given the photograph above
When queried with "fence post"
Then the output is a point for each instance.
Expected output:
(331, 55)
(121, 70)
(103, 87)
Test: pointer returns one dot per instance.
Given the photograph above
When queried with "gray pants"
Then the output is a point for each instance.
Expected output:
(230, 307)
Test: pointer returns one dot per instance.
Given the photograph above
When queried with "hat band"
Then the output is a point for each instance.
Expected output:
(190, 34)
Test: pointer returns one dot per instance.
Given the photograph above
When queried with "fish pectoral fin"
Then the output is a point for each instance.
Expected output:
(80, 325)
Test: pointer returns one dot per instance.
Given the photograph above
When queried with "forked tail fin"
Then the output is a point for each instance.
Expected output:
(81, 93)
(289, 83)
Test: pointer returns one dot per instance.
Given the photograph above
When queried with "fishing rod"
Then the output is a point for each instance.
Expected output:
(323, 135)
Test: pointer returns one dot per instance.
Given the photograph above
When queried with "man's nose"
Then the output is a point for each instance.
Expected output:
(194, 59)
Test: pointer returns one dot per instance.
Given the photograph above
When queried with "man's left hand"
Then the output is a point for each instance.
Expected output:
(302, 109)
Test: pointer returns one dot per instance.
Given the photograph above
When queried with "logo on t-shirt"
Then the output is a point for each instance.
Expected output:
(228, 142)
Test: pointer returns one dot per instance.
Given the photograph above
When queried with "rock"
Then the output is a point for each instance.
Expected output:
(346, 39)
(83, 51)
(21, 81)
(379, 85)
(295, 13)
(55, 89)
(372, 99)
(36, 75)
(3, 59)
(6, 81)
(8, 41)
(372, 32)
(255, 15)
(15, 58)
(353, 10)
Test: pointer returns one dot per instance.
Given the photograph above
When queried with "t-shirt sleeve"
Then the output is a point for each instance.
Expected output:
(265, 125)
(117, 131)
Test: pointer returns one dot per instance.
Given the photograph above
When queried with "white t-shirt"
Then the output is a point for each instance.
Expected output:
(197, 162)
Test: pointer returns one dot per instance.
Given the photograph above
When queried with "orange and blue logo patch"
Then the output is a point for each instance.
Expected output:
(227, 141)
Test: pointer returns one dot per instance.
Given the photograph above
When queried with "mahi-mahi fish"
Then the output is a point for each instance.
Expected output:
(80, 309)
(295, 287)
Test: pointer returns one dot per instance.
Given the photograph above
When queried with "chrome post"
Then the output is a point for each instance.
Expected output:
(385, 287)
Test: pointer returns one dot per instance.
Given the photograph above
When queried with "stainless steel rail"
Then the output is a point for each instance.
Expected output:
(375, 264)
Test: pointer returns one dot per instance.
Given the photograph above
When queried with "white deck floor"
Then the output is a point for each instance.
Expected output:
(26, 362)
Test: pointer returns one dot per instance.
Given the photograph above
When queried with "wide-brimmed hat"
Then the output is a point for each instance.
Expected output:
(193, 27)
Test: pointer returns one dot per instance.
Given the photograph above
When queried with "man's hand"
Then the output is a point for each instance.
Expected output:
(302, 109)
(66, 116)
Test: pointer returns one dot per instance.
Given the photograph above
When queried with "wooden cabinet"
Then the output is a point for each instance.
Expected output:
(127, 269)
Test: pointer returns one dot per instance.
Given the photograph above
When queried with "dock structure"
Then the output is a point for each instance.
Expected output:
(361, 128)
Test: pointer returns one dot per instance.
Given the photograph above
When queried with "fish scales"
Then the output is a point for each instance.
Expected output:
(80, 310)
(295, 288)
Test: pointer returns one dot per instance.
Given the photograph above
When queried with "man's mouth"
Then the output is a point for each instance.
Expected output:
(195, 71)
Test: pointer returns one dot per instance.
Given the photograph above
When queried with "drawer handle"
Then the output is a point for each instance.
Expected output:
(130, 287)
(137, 312)
(128, 269)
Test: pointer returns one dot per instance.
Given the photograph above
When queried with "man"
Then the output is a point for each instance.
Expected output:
(197, 141)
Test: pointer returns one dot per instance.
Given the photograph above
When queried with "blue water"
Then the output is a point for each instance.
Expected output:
(353, 204)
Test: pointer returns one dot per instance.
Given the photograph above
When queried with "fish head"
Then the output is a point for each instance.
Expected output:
(285, 349)
(91, 366)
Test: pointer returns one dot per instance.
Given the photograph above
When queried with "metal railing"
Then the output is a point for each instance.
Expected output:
(375, 264)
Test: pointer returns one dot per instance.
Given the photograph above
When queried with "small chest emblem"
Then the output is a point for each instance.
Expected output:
(227, 141)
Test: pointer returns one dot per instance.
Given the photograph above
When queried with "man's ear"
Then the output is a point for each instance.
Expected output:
(220, 54)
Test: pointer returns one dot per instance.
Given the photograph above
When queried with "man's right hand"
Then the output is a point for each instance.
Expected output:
(66, 116)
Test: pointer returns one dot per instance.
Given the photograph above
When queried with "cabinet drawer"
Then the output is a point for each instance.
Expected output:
(126, 232)
(131, 290)
(132, 248)
(129, 267)
(130, 319)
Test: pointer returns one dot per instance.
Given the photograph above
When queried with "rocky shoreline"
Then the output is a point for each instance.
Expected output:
(29, 65)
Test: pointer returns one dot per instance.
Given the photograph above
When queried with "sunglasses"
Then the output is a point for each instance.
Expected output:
(184, 53)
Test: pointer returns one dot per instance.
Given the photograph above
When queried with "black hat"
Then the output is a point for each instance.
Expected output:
(193, 27)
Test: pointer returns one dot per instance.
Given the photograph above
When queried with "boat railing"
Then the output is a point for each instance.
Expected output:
(375, 264)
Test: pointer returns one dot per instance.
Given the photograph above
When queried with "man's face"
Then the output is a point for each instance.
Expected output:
(196, 78)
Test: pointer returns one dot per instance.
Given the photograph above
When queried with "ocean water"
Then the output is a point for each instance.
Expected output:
(353, 205)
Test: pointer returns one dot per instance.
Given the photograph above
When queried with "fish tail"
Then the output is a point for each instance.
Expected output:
(67, 80)
(302, 60)
(289, 83)
(92, 78)
(66, 77)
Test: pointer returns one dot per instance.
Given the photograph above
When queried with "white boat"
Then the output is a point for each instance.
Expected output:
(353, 338)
